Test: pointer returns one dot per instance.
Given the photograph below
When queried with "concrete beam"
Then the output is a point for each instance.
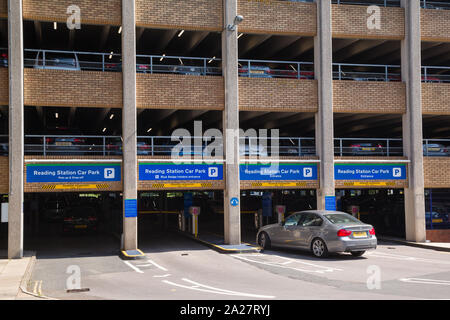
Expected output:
(412, 123)
(16, 129)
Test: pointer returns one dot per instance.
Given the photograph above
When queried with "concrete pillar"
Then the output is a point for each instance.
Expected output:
(16, 129)
(129, 120)
(232, 214)
(323, 70)
(412, 123)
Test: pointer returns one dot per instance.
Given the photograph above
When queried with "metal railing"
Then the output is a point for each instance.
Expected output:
(435, 74)
(438, 5)
(98, 61)
(381, 3)
(77, 60)
(275, 69)
(366, 72)
(436, 147)
(48, 145)
(368, 147)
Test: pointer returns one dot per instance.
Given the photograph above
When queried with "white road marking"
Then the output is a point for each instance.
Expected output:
(283, 265)
(162, 276)
(204, 288)
(157, 265)
(426, 281)
(404, 258)
(133, 267)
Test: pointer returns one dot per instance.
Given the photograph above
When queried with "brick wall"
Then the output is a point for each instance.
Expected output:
(92, 11)
(436, 172)
(287, 95)
(350, 21)
(278, 17)
(369, 97)
(164, 91)
(436, 98)
(176, 14)
(3, 8)
(39, 187)
(72, 88)
(438, 235)
(4, 175)
(435, 25)
(4, 86)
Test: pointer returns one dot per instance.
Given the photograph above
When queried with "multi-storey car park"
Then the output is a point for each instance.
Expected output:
(363, 107)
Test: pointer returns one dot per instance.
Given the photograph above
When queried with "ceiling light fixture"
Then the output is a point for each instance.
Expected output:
(162, 57)
(181, 33)
(55, 25)
(104, 129)
(120, 30)
(111, 116)
(212, 59)
(240, 35)
(56, 115)
(150, 129)
(181, 61)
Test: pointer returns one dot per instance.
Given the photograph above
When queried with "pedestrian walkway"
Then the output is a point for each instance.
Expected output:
(12, 272)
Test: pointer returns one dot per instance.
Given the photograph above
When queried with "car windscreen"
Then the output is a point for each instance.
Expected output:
(341, 218)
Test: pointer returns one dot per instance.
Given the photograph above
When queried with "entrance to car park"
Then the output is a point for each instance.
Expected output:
(164, 212)
(79, 221)
(382, 208)
(437, 211)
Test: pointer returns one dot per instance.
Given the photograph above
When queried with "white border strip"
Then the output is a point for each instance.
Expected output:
(216, 161)
(73, 160)
(371, 161)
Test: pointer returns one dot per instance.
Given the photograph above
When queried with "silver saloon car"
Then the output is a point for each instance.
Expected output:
(321, 232)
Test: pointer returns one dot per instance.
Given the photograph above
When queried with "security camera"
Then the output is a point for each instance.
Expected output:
(238, 19)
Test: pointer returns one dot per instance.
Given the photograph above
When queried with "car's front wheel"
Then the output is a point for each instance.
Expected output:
(319, 248)
(264, 241)
(357, 253)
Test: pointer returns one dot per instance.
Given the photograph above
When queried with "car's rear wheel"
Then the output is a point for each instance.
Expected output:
(357, 253)
(264, 241)
(319, 248)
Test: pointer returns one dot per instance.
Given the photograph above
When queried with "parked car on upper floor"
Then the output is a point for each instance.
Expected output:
(117, 67)
(57, 61)
(255, 71)
(436, 150)
(4, 60)
(365, 149)
(115, 148)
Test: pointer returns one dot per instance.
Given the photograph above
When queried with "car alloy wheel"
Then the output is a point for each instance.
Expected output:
(264, 241)
(319, 248)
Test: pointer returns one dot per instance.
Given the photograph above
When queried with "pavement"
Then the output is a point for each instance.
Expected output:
(439, 246)
(13, 275)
